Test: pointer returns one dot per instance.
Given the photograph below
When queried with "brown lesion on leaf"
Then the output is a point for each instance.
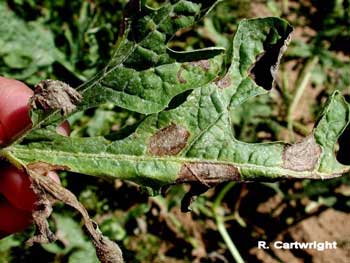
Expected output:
(43, 168)
(49, 192)
(169, 140)
(204, 64)
(224, 82)
(179, 76)
(55, 95)
(264, 70)
(207, 173)
(202, 176)
(302, 156)
(45, 201)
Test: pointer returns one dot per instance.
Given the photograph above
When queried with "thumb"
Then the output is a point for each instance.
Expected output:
(14, 112)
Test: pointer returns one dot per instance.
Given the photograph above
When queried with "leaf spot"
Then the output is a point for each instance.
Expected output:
(204, 64)
(179, 76)
(224, 82)
(43, 168)
(208, 173)
(169, 140)
(302, 156)
(55, 95)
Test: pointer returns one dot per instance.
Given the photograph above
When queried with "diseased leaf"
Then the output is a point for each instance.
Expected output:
(143, 74)
(194, 142)
(190, 98)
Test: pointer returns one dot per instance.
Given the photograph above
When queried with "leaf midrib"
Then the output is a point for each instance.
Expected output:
(269, 170)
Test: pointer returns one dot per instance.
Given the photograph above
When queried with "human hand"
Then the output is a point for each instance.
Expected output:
(17, 199)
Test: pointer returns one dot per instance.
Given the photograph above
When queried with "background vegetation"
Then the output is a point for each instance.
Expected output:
(77, 38)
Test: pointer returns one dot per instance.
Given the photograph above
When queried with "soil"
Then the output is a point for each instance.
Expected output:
(330, 225)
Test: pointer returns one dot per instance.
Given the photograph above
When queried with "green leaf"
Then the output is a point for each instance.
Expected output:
(144, 75)
(194, 142)
(25, 47)
(73, 242)
(5, 247)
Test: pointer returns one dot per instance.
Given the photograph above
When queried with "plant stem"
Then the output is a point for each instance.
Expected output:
(285, 4)
(285, 86)
(222, 194)
(221, 223)
(301, 84)
(226, 237)
(300, 128)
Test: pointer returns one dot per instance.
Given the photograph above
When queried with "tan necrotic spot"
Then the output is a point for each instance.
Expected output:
(208, 173)
(204, 64)
(302, 156)
(55, 95)
(43, 168)
(168, 141)
(179, 76)
(224, 82)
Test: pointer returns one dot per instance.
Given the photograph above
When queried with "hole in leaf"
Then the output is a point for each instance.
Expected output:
(178, 100)
(125, 131)
(265, 69)
(343, 153)
(347, 98)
